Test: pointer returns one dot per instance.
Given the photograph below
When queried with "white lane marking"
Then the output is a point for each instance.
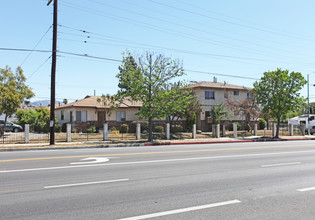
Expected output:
(306, 189)
(176, 211)
(155, 161)
(280, 164)
(87, 183)
(94, 160)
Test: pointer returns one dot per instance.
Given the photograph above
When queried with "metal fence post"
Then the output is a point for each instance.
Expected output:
(27, 133)
(105, 135)
(68, 132)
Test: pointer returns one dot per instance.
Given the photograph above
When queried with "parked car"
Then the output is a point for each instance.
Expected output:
(11, 126)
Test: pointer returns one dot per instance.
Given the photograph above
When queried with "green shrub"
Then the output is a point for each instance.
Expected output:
(113, 128)
(124, 128)
(262, 123)
(74, 130)
(159, 129)
(58, 128)
(177, 128)
(91, 129)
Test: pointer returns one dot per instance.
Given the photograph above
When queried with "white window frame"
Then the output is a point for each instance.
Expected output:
(121, 116)
(83, 116)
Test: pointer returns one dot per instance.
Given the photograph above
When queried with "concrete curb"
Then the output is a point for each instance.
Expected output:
(226, 142)
(105, 145)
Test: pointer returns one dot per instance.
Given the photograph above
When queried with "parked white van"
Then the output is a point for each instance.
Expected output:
(302, 119)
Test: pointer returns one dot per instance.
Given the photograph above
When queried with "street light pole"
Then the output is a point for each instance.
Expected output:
(308, 104)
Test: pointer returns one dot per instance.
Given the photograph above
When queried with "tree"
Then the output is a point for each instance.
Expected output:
(217, 113)
(39, 118)
(13, 91)
(110, 103)
(249, 107)
(65, 101)
(145, 80)
(278, 93)
(177, 102)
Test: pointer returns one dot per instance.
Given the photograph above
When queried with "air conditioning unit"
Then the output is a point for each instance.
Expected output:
(209, 120)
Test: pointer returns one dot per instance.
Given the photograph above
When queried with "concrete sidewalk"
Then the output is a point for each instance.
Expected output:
(107, 144)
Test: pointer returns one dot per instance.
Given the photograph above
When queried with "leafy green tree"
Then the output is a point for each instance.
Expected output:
(39, 118)
(26, 116)
(217, 113)
(145, 80)
(110, 102)
(65, 101)
(176, 102)
(13, 91)
(278, 93)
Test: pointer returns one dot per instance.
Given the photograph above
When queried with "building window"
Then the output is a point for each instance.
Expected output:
(80, 116)
(236, 92)
(120, 116)
(209, 94)
(248, 95)
(71, 116)
(62, 115)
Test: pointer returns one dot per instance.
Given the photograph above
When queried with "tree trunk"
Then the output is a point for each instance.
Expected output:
(5, 123)
(150, 136)
(278, 126)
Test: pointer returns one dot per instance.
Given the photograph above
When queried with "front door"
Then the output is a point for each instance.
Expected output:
(100, 119)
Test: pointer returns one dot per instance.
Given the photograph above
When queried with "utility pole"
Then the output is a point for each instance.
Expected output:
(308, 104)
(53, 74)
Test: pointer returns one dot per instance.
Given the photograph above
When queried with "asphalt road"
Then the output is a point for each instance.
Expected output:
(271, 180)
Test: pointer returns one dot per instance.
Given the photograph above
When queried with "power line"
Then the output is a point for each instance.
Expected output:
(185, 26)
(235, 18)
(62, 52)
(24, 50)
(38, 67)
(35, 46)
(182, 34)
(108, 38)
(220, 74)
(217, 19)
(166, 30)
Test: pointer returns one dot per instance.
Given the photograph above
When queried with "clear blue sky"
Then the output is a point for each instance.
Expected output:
(236, 41)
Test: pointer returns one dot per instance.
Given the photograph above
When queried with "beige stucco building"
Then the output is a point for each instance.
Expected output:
(88, 111)
(214, 93)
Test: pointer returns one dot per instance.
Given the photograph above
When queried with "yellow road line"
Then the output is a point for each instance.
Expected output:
(160, 152)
